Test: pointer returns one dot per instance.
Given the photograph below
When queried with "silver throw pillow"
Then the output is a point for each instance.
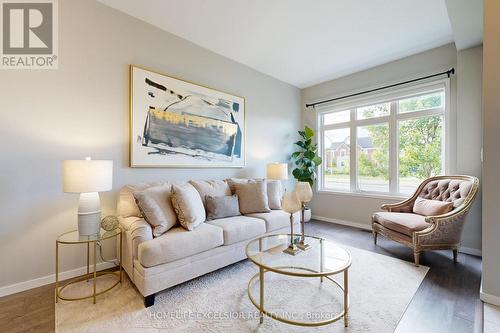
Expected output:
(223, 206)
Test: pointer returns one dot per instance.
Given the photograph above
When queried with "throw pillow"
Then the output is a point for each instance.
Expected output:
(252, 197)
(427, 207)
(223, 206)
(214, 188)
(274, 194)
(188, 206)
(154, 204)
(232, 181)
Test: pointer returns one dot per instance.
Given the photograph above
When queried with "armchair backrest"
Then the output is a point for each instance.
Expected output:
(461, 190)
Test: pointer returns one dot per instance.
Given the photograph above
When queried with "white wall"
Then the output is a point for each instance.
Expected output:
(491, 143)
(81, 109)
(466, 121)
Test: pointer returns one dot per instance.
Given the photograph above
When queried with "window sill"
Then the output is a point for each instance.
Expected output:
(366, 195)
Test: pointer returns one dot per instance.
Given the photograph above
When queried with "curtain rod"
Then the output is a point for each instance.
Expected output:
(448, 72)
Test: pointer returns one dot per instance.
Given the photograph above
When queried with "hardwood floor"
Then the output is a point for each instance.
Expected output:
(446, 301)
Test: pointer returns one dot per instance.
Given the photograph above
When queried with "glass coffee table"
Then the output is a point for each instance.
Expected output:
(322, 260)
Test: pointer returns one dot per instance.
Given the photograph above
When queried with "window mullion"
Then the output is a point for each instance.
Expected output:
(393, 149)
(353, 168)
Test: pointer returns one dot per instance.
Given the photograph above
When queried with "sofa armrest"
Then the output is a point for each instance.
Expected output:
(138, 231)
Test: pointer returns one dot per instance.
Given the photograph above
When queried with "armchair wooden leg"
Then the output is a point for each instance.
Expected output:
(374, 237)
(417, 258)
(455, 255)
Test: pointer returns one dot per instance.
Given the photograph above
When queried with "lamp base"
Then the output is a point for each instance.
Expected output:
(291, 249)
(303, 246)
(89, 214)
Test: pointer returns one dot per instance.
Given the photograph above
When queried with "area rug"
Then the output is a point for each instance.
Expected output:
(380, 289)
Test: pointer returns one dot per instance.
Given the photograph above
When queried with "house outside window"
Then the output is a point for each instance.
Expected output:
(400, 138)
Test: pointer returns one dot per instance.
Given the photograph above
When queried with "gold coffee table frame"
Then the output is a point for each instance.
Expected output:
(298, 272)
(73, 238)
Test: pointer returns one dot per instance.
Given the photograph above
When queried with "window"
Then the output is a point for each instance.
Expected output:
(399, 141)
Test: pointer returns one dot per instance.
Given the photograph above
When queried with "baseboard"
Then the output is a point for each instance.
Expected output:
(463, 249)
(488, 298)
(44, 280)
(471, 251)
(343, 222)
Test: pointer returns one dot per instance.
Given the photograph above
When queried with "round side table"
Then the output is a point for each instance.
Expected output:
(72, 238)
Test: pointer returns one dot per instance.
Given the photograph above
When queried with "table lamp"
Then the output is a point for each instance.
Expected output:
(88, 177)
(277, 171)
(305, 194)
(291, 204)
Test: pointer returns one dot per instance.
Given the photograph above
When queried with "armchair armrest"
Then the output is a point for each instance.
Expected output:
(405, 206)
(138, 231)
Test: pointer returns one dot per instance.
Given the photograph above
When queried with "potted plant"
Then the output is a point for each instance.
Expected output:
(306, 158)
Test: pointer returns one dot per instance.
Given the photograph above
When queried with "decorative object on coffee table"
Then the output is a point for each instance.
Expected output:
(304, 193)
(88, 177)
(291, 205)
(110, 223)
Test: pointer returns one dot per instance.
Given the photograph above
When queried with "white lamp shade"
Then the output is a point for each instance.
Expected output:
(304, 191)
(277, 171)
(291, 203)
(85, 176)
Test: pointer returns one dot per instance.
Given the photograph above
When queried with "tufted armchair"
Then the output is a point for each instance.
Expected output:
(439, 232)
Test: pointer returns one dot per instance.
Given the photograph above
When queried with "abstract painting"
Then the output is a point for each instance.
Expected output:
(175, 123)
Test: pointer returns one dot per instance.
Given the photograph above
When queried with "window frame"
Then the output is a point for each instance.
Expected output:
(393, 119)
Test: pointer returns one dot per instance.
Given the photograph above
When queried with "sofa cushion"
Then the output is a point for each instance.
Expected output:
(214, 188)
(404, 223)
(156, 207)
(188, 205)
(276, 219)
(240, 228)
(178, 243)
(126, 205)
(428, 207)
(274, 194)
(220, 207)
(252, 197)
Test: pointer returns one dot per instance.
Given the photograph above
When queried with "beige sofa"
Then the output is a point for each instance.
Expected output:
(157, 263)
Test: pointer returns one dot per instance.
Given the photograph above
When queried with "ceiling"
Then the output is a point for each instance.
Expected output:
(303, 42)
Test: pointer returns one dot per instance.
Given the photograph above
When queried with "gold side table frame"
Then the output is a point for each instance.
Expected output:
(298, 271)
(94, 240)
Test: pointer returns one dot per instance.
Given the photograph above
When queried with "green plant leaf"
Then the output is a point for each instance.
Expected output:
(309, 133)
(317, 160)
(301, 144)
(303, 134)
(307, 144)
(309, 154)
(296, 154)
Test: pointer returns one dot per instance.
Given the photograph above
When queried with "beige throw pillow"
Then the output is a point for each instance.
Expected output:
(427, 207)
(252, 197)
(220, 207)
(156, 208)
(274, 194)
(188, 206)
(214, 188)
